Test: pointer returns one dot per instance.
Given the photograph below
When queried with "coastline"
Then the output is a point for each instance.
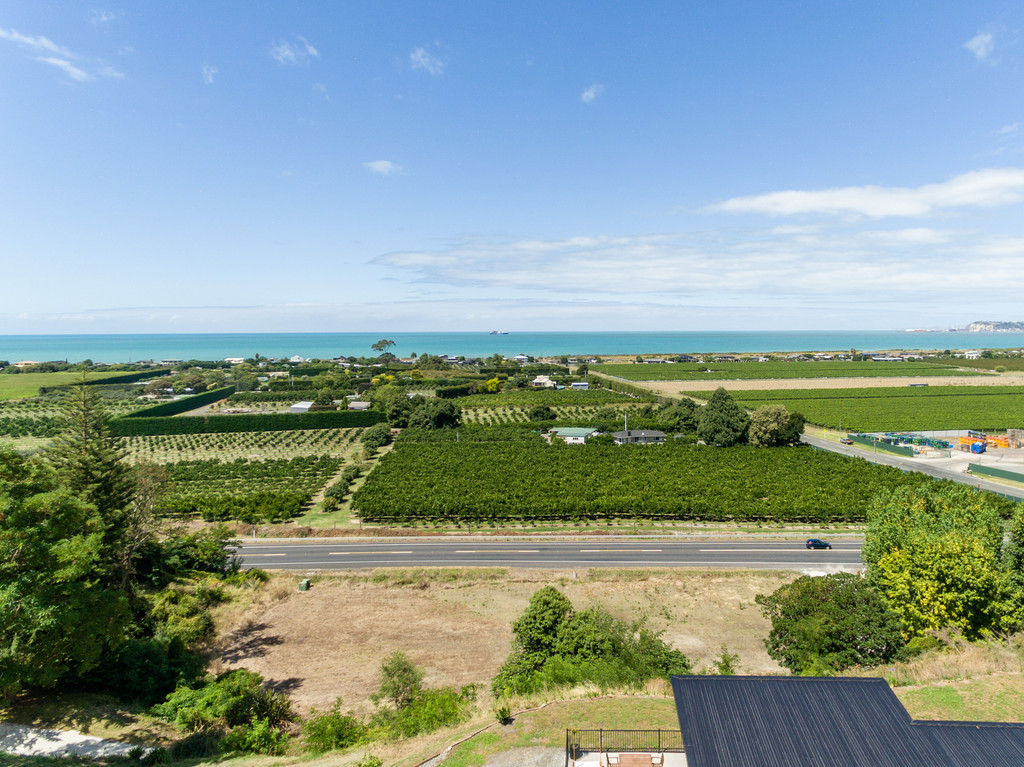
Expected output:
(109, 348)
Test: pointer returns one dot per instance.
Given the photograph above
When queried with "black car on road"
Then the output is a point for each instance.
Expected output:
(817, 543)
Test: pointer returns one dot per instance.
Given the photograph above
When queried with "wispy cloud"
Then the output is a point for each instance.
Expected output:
(590, 94)
(290, 52)
(983, 188)
(322, 90)
(98, 17)
(68, 68)
(383, 168)
(209, 73)
(421, 59)
(731, 268)
(1009, 130)
(982, 45)
(48, 52)
(36, 43)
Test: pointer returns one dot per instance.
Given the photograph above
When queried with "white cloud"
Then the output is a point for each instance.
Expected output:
(298, 52)
(209, 73)
(37, 43)
(322, 90)
(105, 70)
(981, 45)
(1009, 130)
(590, 94)
(383, 167)
(48, 52)
(98, 16)
(798, 268)
(983, 188)
(420, 59)
(68, 68)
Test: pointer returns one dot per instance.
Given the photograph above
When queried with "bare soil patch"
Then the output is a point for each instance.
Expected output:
(330, 641)
(678, 387)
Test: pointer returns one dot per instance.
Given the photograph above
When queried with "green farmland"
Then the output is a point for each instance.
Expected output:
(445, 482)
(900, 408)
(725, 371)
(20, 385)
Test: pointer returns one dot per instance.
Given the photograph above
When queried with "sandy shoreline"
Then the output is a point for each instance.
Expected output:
(678, 387)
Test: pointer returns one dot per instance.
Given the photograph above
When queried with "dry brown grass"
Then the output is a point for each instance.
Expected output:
(679, 387)
(956, 660)
(456, 623)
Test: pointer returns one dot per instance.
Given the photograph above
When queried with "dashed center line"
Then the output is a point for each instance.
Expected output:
(358, 553)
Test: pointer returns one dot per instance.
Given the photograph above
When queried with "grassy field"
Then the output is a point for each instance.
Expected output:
(900, 408)
(18, 385)
(696, 371)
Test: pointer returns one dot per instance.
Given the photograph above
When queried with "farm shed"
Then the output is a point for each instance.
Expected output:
(836, 721)
(300, 407)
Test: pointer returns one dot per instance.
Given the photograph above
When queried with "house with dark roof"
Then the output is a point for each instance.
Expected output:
(638, 437)
(736, 721)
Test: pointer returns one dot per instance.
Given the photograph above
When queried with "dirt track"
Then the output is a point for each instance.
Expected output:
(678, 387)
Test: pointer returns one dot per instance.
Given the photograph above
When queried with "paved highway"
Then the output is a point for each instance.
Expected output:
(533, 552)
(915, 464)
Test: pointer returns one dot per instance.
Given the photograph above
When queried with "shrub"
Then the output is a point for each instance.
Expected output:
(376, 437)
(555, 646)
(257, 737)
(233, 698)
(834, 621)
(333, 730)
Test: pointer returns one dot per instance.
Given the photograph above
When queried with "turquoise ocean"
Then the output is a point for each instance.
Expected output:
(215, 346)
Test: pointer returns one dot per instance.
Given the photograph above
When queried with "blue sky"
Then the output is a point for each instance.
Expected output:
(333, 166)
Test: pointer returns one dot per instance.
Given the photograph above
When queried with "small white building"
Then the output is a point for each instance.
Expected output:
(234, 360)
(580, 385)
(542, 382)
(573, 435)
(358, 405)
(300, 407)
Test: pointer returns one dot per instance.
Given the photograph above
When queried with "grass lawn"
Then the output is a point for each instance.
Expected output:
(18, 385)
(995, 698)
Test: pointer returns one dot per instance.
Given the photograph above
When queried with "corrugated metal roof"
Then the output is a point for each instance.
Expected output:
(826, 722)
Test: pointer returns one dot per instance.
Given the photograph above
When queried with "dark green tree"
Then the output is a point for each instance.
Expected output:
(57, 614)
(679, 417)
(834, 621)
(436, 414)
(541, 413)
(84, 457)
(722, 422)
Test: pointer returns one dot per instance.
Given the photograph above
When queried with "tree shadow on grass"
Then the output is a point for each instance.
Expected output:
(252, 643)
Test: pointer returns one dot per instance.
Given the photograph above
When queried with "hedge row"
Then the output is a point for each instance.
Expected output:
(114, 378)
(326, 419)
(184, 404)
